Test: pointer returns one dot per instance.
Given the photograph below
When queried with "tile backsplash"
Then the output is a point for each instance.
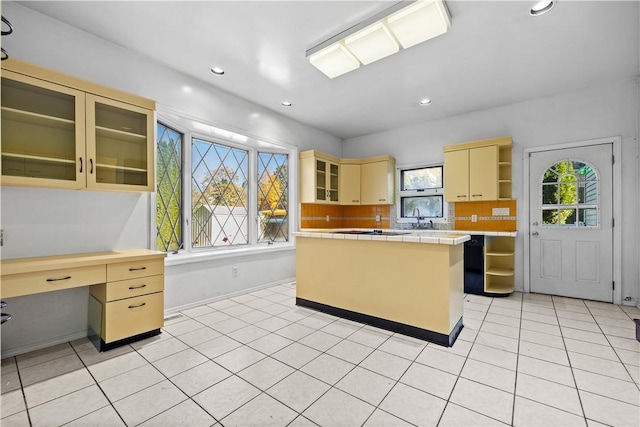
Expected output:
(363, 216)
(492, 215)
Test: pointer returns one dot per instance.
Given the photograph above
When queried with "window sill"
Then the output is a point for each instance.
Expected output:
(203, 256)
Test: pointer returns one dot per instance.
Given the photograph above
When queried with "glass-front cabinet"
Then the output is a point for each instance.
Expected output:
(60, 136)
(117, 144)
(43, 126)
(319, 178)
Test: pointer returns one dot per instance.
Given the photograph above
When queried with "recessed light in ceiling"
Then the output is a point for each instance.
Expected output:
(425, 101)
(217, 71)
(542, 7)
(286, 104)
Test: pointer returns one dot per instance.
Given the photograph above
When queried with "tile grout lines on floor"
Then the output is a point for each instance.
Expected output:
(303, 342)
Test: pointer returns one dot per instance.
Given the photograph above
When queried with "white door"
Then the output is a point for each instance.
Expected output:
(571, 215)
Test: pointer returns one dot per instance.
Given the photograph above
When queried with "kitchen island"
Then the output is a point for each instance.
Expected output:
(406, 282)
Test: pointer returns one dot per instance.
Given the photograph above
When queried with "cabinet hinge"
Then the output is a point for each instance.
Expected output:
(613, 285)
(613, 222)
(613, 160)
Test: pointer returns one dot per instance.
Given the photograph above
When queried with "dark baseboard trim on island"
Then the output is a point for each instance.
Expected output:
(389, 325)
(108, 346)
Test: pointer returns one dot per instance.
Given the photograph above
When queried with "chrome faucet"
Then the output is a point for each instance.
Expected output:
(418, 216)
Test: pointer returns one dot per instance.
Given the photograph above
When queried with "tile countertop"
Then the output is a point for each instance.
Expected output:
(442, 237)
(412, 236)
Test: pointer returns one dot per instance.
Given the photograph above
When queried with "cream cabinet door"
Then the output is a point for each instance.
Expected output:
(120, 146)
(376, 186)
(43, 126)
(456, 176)
(349, 184)
(483, 173)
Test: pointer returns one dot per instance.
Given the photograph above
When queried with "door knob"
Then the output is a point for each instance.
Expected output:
(534, 233)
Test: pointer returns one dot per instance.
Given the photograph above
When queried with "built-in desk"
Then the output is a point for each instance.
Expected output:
(126, 289)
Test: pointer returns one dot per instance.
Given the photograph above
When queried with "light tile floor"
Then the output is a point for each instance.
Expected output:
(257, 359)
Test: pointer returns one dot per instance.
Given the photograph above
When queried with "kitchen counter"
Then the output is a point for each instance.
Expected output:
(387, 281)
(444, 237)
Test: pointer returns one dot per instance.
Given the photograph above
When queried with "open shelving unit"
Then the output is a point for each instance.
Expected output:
(504, 172)
(499, 262)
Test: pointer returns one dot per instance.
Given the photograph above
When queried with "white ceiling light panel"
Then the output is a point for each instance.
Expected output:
(334, 60)
(381, 36)
(372, 43)
(419, 22)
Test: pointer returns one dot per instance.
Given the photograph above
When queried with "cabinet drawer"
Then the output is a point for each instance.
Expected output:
(113, 291)
(132, 316)
(135, 269)
(51, 280)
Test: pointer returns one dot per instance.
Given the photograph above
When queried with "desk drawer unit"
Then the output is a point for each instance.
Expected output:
(134, 269)
(114, 291)
(51, 280)
(132, 316)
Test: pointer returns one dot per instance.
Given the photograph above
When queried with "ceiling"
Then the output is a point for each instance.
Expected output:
(494, 54)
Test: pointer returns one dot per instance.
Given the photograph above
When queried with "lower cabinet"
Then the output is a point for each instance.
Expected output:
(129, 306)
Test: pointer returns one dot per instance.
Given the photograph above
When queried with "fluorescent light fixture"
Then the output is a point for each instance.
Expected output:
(421, 21)
(334, 60)
(373, 43)
(381, 36)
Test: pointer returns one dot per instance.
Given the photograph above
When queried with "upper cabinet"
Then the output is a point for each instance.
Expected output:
(350, 170)
(319, 178)
(377, 181)
(327, 179)
(477, 171)
(62, 132)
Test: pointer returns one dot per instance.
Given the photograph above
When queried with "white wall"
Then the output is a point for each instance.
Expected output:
(43, 222)
(603, 111)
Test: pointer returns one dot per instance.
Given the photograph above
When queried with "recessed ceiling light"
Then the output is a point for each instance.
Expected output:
(542, 7)
(217, 71)
(425, 101)
(286, 104)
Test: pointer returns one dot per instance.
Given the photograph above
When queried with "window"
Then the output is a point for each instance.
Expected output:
(219, 199)
(273, 205)
(570, 195)
(169, 189)
(232, 191)
(421, 193)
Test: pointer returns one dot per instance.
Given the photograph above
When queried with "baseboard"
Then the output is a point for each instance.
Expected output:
(174, 310)
(43, 344)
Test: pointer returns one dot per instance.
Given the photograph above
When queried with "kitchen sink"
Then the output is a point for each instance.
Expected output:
(374, 232)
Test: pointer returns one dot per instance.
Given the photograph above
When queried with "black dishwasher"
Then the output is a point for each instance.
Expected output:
(474, 265)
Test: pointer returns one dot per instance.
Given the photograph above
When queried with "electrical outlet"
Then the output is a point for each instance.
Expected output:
(378, 218)
(474, 218)
(328, 218)
(234, 271)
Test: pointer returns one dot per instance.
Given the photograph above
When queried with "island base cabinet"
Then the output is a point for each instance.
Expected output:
(410, 288)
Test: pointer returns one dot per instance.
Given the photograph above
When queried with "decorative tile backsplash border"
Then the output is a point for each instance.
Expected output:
(461, 213)
(358, 216)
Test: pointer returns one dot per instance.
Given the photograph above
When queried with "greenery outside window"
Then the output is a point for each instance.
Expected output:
(421, 193)
(228, 191)
(169, 189)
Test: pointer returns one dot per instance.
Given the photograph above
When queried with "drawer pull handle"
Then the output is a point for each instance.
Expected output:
(137, 287)
(57, 280)
(139, 305)
(138, 269)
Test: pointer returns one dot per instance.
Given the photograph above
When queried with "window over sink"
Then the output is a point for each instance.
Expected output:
(420, 194)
